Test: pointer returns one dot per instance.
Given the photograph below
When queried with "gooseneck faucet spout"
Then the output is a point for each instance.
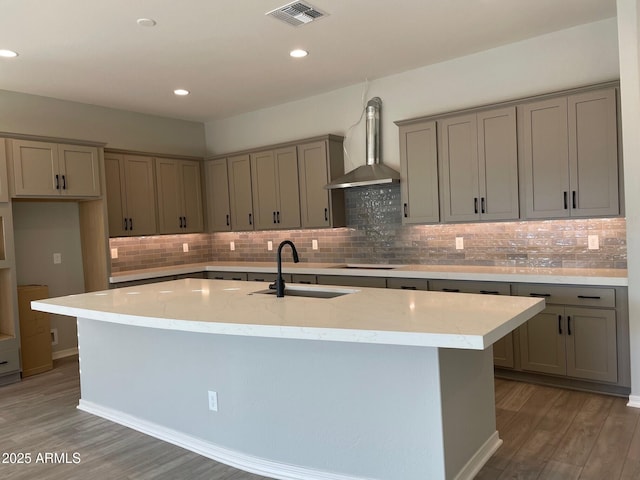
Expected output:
(278, 285)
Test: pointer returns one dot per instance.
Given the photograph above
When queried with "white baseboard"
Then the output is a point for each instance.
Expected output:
(634, 401)
(475, 463)
(64, 353)
(229, 457)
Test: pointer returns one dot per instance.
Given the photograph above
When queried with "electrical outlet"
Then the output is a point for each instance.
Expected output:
(314, 244)
(459, 243)
(593, 242)
(185, 247)
(114, 253)
(269, 245)
(57, 258)
(232, 245)
(54, 336)
(213, 401)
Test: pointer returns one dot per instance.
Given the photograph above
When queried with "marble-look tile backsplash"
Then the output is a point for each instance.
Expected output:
(375, 234)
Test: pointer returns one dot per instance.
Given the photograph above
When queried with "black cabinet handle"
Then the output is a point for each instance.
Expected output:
(250, 220)
(64, 182)
(475, 204)
(452, 290)
(489, 292)
(482, 205)
(326, 214)
(274, 217)
(180, 218)
(568, 325)
(126, 225)
(559, 324)
(305, 282)
(258, 279)
(573, 199)
(589, 297)
(564, 195)
(539, 294)
(4, 362)
(407, 287)
(218, 278)
(185, 222)
(57, 182)
(131, 224)
(278, 216)
(405, 211)
(227, 219)
(236, 278)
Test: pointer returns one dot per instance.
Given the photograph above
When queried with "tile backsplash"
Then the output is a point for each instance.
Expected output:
(375, 234)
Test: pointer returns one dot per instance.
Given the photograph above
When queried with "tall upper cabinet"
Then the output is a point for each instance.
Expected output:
(51, 169)
(240, 198)
(479, 166)
(179, 189)
(570, 156)
(217, 188)
(130, 194)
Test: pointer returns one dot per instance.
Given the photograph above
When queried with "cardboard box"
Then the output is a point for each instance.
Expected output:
(35, 331)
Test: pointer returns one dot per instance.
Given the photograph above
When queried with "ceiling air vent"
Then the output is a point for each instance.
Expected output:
(296, 13)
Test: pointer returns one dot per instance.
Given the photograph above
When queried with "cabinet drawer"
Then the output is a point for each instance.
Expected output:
(583, 296)
(226, 276)
(304, 278)
(463, 286)
(351, 281)
(408, 283)
(9, 361)
(267, 277)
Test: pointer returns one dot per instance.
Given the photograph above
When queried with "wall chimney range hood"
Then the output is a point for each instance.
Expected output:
(374, 172)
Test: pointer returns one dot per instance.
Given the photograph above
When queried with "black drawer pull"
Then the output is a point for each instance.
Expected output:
(559, 324)
(564, 194)
(236, 278)
(326, 214)
(57, 182)
(250, 219)
(126, 225)
(405, 211)
(4, 362)
(539, 294)
(131, 224)
(482, 209)
(489, 292)
(218, 278)
(181, 225)
(185, 222)
(274, 217)
(452, 290)
(278, 216)
(227, 220)
(475, 205)
(407, 287)
(64, 182)
(573, 200)
(568, 325)
(258, 279)
(589, 297)
(305, 282)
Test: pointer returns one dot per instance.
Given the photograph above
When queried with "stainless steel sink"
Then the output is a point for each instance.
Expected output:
(309, 292)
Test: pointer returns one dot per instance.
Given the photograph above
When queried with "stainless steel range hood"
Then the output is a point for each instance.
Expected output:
(374, 172)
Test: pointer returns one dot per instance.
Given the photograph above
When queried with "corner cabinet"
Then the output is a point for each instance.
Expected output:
(319, 163)
(42, 169)
(570, 156)
(131, 198)
(178, 183)
(479, 166)
(276, 195)
(419, 173)
(217, 188)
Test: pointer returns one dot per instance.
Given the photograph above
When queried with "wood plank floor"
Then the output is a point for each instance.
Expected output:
(548, 433)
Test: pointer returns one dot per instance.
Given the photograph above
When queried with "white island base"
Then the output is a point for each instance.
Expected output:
(376, 384)
(296, 409)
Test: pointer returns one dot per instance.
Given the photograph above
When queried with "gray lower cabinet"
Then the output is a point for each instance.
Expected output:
(352, 281)
(408, 283)
(304, 278)
(227, 276)
(267, 277)
(503, 351)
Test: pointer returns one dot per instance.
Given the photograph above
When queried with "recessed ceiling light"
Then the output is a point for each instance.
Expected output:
(146, 22)
(298, 53)
(8, 53)
(181, 92)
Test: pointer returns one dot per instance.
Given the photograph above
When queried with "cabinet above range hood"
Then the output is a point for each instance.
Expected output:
(374, 172)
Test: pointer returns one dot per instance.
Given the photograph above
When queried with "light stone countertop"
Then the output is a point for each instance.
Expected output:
(366, 315)
(566, 276)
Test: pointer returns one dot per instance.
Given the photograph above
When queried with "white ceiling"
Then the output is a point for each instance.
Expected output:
(234, 59)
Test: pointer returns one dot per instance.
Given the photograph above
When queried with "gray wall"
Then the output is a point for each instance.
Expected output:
(42, 229)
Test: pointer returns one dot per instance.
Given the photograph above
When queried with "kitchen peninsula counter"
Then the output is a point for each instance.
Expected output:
(375, 384)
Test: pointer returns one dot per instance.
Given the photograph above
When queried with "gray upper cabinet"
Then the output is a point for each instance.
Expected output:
(240, 192)
(479, 166)
(276, 197)
(218, 208)
(419, 173)
(179, 195)
(319, 162)
(570, 156)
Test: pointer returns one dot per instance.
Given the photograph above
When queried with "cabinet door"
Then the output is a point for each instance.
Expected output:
(591, 344)
(459, 169)
(218, 195)
(503, 355)
(288, 212)
(313, 175)
(35, 167)
(79, 168)
(170, 209)
(116, 195)
(593, 153)
(191, 192)
(542, 342)
(264, 179)
(419, 173)
(4, 185)
(240, 192)
(545, 154)
(140, 195)
(498, 164)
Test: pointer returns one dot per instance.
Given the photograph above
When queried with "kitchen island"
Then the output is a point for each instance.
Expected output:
(371, 384)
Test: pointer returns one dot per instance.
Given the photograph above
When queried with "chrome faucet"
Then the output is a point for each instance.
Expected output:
(278, 285)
